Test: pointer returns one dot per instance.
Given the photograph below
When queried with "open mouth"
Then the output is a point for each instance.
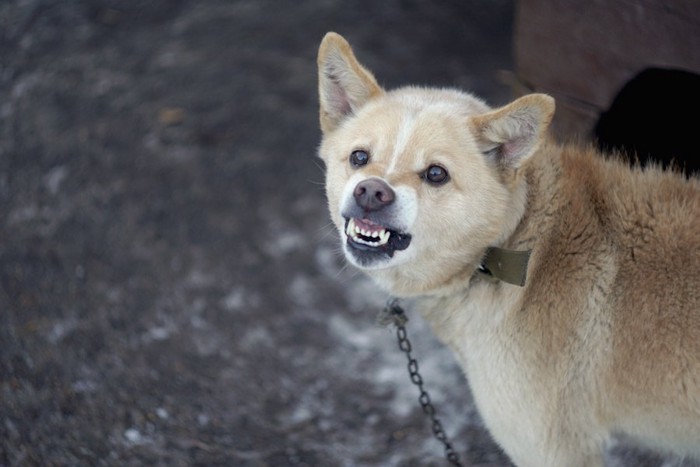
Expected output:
(370, 237)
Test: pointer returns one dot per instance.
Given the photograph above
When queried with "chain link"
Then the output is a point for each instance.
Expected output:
(399, 319)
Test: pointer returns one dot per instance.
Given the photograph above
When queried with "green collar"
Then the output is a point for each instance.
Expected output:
(505, 265)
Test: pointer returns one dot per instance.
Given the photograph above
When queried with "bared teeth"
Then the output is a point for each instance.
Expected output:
(384, 236)
(354, 232)
(350, 229)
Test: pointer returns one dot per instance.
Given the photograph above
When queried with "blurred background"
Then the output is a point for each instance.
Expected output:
(171, 290)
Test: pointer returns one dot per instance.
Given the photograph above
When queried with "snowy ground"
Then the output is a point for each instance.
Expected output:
(171, 291)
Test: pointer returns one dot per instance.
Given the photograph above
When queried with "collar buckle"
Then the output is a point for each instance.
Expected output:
(505, 265)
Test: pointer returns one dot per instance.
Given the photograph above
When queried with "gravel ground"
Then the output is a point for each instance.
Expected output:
(171, 291)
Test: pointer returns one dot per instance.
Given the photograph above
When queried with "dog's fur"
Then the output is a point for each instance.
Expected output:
(605, 335)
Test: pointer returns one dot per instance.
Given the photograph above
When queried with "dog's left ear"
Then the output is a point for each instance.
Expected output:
(511, 134)
(343, 84)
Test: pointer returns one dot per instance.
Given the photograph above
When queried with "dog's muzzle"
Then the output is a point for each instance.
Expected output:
(369, 223)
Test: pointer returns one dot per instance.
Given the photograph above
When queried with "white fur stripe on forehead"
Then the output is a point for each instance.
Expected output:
(406, 129)
(419, 102)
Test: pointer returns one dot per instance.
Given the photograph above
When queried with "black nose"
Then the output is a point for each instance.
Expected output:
(373, 194)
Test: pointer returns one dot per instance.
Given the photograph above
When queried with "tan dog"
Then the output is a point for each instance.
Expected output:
(431, 189)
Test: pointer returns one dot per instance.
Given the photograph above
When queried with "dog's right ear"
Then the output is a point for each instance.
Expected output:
(343, 84)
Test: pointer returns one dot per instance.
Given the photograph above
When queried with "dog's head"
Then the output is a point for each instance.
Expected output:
(420, 181)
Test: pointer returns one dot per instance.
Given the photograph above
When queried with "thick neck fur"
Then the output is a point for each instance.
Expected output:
(533, 215)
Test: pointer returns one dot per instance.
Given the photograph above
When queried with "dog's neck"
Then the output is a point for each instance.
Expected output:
(534, 214)
(508, 259)
(502, 261)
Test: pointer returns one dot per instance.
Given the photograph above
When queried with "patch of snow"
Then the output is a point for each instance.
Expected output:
(305, 204)
(207, 343)
(329, 260)
(363, 294)
(203, 419)
(300, 414)
(105, 81)
(61, 329)
(284, 242)
(198, 322)
(84, 386)
(134, 437)
(239, 299)
(159, 333)
(235, 300)
(198, 278)
(54, 179)
(255, 337)
(22, 214)
(301, 291)
(22, 86)
(351, 333)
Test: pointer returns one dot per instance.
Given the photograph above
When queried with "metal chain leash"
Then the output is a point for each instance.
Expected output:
(394, 314)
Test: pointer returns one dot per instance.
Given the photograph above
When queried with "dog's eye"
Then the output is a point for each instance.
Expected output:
(436, 175)
(359, 158)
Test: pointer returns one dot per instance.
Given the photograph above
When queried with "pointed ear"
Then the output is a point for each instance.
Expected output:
(343, 84)
(511, 134)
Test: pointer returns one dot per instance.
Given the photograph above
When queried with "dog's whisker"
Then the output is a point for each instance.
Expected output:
(316, 182)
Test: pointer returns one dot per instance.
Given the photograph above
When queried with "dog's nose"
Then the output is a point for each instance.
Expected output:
(373, 194)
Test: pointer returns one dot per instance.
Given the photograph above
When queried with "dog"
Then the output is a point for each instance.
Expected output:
(566, 282)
